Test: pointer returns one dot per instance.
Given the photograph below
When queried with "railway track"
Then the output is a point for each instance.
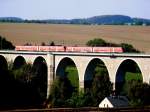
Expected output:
(87, 109)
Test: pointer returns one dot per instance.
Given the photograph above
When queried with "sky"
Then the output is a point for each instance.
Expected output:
(70, 9)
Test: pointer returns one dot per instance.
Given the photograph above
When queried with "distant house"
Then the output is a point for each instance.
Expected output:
(114, 101)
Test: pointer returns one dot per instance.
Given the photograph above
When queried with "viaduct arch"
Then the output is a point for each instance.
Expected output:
(19, 62)
(127, 67)
(84, 62)
(62, 71)
(91, 70)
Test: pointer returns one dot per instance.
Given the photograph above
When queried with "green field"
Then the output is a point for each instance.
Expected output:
(73, 75)
(133, 76)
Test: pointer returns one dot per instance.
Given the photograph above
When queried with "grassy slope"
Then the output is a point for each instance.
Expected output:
(73, 75)
(133, 76)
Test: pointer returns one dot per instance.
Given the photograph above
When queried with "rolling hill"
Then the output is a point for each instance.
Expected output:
(100, 20)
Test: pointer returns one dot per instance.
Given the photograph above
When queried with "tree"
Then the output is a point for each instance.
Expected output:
(39, 78)
(100, 42)
(76, 100)
(16, 89)
(61, 90)
(128, 48)
(138, 93)
(96, 42)
(4, 44)
(33, 81)
(52, 43)
(43, 44)
(101, 87)
(27, 44)
(23, 74)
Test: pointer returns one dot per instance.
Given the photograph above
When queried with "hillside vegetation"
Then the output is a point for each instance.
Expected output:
(101, 20)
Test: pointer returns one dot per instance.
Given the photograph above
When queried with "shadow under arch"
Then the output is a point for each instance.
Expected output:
(127, 71)
(39, 77)
(95, 67)
(3, 63)
(6, 85)
(67, 68)
(19, 62)
(3, 70)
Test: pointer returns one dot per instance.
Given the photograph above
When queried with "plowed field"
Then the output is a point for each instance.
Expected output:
(19, 34)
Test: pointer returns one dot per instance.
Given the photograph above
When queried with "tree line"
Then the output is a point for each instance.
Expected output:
(96, 20)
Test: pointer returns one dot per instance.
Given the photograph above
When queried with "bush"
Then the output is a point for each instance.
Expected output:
(76, 100)
(61, 90)
(138, 93)
(96, 42)
(100, 42)
(4, 44)
(101, 88)
(128, 48)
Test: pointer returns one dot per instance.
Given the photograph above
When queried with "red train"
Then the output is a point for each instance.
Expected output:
(69, 49)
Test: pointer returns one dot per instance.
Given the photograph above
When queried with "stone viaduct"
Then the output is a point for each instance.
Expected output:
(84, 62)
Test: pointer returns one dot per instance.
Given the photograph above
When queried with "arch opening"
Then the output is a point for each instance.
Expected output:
(18, 62)
(3, 69)
(39, 77)
(95, 68)
(127, 72)
(3, 64)
(67, 68)
(5, 82)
